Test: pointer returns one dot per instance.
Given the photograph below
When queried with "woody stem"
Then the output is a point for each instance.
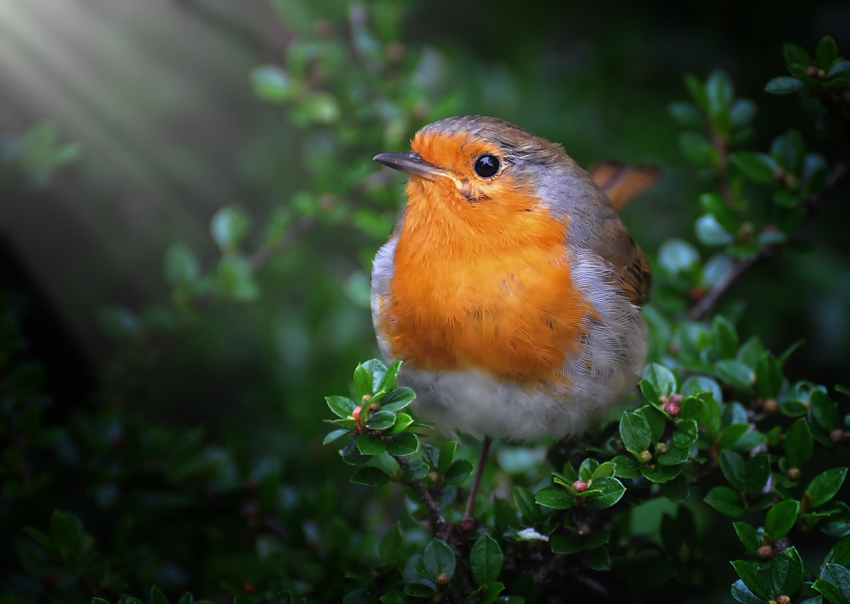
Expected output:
(470, 503)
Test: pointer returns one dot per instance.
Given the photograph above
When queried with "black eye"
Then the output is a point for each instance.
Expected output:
(486, 166)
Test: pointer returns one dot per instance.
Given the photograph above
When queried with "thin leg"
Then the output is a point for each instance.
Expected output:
(470, 503)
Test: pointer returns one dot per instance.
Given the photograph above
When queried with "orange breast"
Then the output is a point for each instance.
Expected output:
(483, 286)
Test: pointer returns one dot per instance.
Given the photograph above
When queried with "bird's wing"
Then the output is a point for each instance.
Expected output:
(622, 182)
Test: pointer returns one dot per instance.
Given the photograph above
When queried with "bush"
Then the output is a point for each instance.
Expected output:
(727, 456)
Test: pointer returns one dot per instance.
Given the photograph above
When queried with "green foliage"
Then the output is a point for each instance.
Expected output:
(725, 440)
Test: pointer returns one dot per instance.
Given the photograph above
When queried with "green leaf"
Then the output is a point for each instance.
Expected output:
(341, 406)
(756, 473)
(781, 518)
(458, 472)
(827, 52)
(748, 536)
(710, 232)
(370, 476)
(398, 399)
(362, 381)
(732, 434)
(828, 591)
(742, 593)
(784, 85)
(597, 559)
(272, 84)
(66, 530)
(726, 501)
(181, 265)
(685, 434)
(839, 68)
(610, 491)
(733, 467)
(626, 467)
(686, 114)
(714, 204)
(381, 420)
(635, 432)
(553, 497)
(157, 597)
(524, 501)
(439, 559)
(758, 167)
(335, 435)
(447, 456)
(351, 454)
(661, 378)
(390, 548)
(824, 411)
(368, 444)
(402, 421)
(743, 112)
(786, 574)
(840, 553)
(825, 486)
(798, 443)
(419, 590)
(229, 226)
(794, 53)
(697, 90)
(603, 469)
(678, 256)
(673, 456)
(486, 560)
(838, 576)
(417, 470)
(566, 544)
(661, 474)
(724, 336)
(677, 490)
(697, 148)
(698, 384)
(735, 373)
(720, 91)
(768, 376)
(405, 443)
(386, 379)
(752, 579)
(490, 593)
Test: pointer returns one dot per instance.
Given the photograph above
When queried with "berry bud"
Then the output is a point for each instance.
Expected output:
(442, 580)
(249, 588)
(770, 406)
(765, 552)
(645, 456)
(783, 600)
(793, 474)
(580, 486)
(836, 436)
(467, 526)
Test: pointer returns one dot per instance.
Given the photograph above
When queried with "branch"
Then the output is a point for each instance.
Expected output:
(438, 522)
(706, 304)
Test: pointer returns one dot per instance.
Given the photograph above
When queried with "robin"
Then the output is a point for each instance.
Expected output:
(510, 288)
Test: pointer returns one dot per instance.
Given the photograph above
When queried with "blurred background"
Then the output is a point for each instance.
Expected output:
(122, 264)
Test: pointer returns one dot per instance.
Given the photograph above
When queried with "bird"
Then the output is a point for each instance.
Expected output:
(509, 287)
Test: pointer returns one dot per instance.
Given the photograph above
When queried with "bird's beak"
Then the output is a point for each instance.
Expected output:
(411, 163)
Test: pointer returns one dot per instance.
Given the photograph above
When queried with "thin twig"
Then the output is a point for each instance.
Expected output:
(706, 304)
(438, 522)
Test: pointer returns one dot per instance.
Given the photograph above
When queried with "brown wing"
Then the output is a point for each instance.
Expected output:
(622, 182)
(631, 268)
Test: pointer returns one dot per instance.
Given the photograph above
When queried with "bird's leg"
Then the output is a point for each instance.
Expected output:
(470, 503)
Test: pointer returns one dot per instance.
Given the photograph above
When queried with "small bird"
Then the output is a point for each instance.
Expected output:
(509, 287)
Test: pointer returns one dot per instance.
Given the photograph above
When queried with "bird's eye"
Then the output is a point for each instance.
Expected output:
(486, 165)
